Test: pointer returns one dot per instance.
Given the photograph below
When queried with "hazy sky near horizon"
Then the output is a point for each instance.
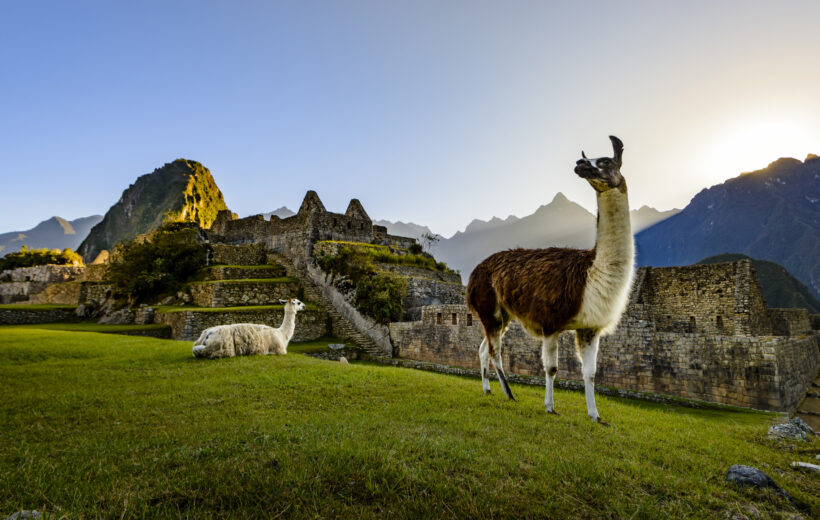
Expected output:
(435, 112)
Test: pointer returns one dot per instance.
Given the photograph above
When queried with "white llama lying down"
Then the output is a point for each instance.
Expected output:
(245, 339)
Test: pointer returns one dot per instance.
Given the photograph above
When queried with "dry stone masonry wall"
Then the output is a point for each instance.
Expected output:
(669, 341)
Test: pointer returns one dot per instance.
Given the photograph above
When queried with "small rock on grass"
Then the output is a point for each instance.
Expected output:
(806, 466)
(19, 515)
(749, 476)
(795, 429)
(343, 360)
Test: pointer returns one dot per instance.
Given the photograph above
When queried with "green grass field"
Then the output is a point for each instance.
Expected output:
(109, 426)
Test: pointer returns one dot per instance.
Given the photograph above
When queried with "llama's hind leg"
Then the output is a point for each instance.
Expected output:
(484, 357)
(587, 343)
(495, 353)
(549, 354)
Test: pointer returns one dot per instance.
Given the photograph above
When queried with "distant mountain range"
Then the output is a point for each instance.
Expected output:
(770, 214)
(282, 212)
(179, 191)
(54, 233)
(559, 223)
(780, 289)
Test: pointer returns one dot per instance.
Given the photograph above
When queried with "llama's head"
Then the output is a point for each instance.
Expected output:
(293, 304)
(603, 173)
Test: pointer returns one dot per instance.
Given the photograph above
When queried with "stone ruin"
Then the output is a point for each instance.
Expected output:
(700, 332)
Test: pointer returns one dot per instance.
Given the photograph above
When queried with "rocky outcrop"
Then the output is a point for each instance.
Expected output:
(180, 191)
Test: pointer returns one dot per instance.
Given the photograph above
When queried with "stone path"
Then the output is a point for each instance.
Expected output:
(809, 409)
(342, 327)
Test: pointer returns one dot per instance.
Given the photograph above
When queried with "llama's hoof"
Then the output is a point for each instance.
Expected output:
(602, 423)
(553, 412)
(487, 391)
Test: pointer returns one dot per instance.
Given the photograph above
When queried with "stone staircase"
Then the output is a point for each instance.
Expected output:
(342, 327)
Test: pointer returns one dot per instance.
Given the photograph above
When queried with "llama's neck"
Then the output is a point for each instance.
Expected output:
(288, 324)
(614, 245)
(610, 276)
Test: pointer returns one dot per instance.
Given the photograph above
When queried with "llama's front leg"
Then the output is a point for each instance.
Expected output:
(549, 354)
(484, 357)
(587, 342)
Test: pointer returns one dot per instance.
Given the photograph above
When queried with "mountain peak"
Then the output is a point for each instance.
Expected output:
(180, 191)
(559, 197)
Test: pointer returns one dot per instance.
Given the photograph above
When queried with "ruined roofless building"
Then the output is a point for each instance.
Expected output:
(296, 235)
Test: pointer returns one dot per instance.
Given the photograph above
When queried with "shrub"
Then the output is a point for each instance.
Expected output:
(415, 248)
(162, 263)
(31, 257)
(380, 297)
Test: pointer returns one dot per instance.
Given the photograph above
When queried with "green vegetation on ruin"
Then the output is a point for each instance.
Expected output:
(143, 270)
(382, 254)
(254, 308)
(128, 427)
(37, 307)
(26, 257)
(378, 294)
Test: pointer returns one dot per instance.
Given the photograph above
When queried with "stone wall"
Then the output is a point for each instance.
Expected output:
(230, 293)
(188, 325)
(19, 316)
(712, 299)
(95, 291)
(418, 272)
(237, 273)
(425, 291)
(59, 293)
(790, 322)
(295, 236)
(13, 292)
(239, 254)
(758, 372)
(93, 273)
(43, 273)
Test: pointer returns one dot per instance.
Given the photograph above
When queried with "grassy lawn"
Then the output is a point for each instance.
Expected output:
(90, 326)
(131, 427)
(38, 307)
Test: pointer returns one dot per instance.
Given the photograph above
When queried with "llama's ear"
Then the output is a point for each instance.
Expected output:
(283, 302)
(618, 147)
(583, 154)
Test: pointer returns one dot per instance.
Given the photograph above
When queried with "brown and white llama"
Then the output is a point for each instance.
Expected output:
(552, 290)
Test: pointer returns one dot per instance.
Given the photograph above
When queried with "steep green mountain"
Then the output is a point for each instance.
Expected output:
(770, 214)
(780, 289)
(180, 191)
(54, 233)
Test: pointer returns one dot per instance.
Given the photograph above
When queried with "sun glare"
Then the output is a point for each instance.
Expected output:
(753, 144)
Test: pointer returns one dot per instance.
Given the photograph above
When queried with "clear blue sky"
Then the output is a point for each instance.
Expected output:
(435, 112)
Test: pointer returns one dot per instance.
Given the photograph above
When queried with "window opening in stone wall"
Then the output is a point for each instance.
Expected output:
(438, 318)
(361, 226)
(349, 225)
(692, 324)
(455, 319)
(469, 320)
(334, 222)
(719, 322)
